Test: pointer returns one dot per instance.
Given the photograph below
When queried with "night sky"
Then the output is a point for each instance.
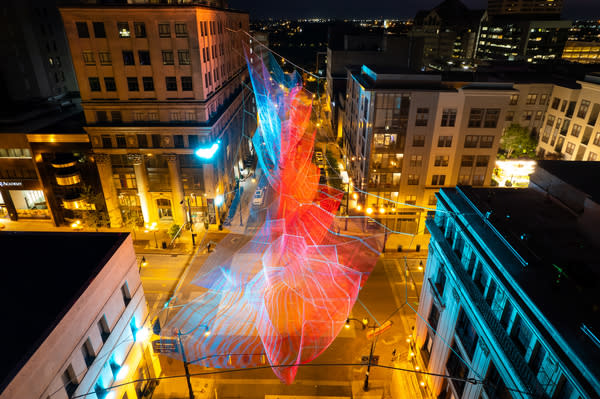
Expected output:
(584, 9)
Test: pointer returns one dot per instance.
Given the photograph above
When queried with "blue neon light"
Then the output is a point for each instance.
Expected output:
(218, 200)
(208, 153)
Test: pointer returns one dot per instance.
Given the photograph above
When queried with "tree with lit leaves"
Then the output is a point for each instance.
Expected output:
(518, 142)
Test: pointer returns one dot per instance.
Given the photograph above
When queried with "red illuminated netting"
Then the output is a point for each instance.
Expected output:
(285, 295)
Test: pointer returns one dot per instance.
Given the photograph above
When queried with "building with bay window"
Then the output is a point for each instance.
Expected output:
(509, 300)
(158, 82)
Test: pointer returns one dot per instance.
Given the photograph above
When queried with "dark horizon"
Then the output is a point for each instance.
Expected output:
(262, 9)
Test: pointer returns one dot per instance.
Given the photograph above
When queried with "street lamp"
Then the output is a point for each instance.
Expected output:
(152, 227)
(183, 357)
(143, 263)
(365, 324)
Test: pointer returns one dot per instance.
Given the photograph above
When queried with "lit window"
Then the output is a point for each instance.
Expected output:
(123, 28)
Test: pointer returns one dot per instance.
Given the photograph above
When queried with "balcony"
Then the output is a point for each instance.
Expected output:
(485, 315)
(76, 203)
(64, 162)
(68, 179)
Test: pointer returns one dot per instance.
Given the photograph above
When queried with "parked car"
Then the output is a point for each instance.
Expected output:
(259, 197)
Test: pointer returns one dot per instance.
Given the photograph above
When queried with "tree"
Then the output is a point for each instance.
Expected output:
(94, 215)
(333, 170)
(518, 142)
(174, 231)
(131, 218)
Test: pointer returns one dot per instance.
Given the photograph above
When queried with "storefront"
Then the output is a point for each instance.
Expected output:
(22, 199)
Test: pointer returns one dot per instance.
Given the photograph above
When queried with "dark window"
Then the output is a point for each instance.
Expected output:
(128, 58)
(148, 83)
(156, 140)
(458, 369)
(564, 389)
(121, 142)
(123, 28)
(101, 116)
(418, 141)
(82, 29)
(583, 109)
(466, 333)
(125, 294)
(105, 58)
(434, 317)
(184, 57)
(491, 118)
(571, 109)
(167, 57)
(132, 84)
(88, 353)
(476, 117)
(116, 117)
(440, 281)
(110, 84)
(536, 359)
(193, 141)
(471, 141)
(106, 141)
(69, 380)
(144, 57)
(449, 117)
(514, 99)
(178, 141)
(494, 385)
(445, 141)
(520, 334)
(413, 180)
(186, 83)
(441, 160)
(99, 29)
(181, 30)
(94, 84)
(467, 160)
(103, 328)
(164, 30)
(171, 82)
(506, 314)
(140, 29)
(422, 116)
(482, 160)
(438, 180)
(555, 102)
(142, 140)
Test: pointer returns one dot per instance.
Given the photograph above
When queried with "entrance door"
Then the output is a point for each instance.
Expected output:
(164, 208)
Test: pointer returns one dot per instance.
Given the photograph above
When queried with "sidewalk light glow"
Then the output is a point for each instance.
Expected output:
(208, 153)
(219, 200)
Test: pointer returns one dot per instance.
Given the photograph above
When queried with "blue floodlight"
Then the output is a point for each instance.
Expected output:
(218, 200)
(208, 153)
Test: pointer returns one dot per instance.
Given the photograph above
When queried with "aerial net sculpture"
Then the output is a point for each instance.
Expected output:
(284, 294)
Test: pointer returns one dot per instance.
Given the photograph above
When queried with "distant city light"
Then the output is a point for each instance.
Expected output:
(208, 153)
(219, 200)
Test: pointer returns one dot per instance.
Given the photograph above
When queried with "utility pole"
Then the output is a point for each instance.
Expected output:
(366, 384)
(185, 366)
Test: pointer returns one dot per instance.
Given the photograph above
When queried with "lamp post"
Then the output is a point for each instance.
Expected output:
(184, 358)
(365, 324)
(143, 263)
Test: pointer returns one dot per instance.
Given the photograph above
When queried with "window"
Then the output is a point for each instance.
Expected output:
(482, 160)
(102, 116)
(156, 140)
(411, 199)
(491, 118)
(171, 82)
(432, 200)
(413, 180)
(563, 106)
(88, 58)
(571, 109)
(434, 316)
(418, 141)
(527, 115)
(184, 57)
(116, 117)
(128, 58)
(464, 180)
(181, 30)
(148, 83)
(466, 333)
(190, 116)
(167, 57)
(596, 139)
(140, 29)
(132, 84)
(153, 116)
(106, 140)
(121, 142)
(448, 117)
(175, 116)
(520, 334)
(99, 31)
(69, 380)
(123, 28)
(110, 84)
(555, 103)
(125, 292)
(510, 115)
(178, 141)
(186, 83)
(592, 156)
(416, 160)
(475, 117)
(478, 180)
(486, 141)
(144, 57)
(445, 141)
(543, 99)
(495, 387)
(457, 368)
(441, 160)
(164, 30)
(583, 109)
(539, 115)
(467, 160)
(105, 58)
(82, 29)
(142, 140)
(438, 180)
(139, 116)
(422, 116)
(514, 99)
(88, 352)
(471, 141)
(193, 141)
(576, 130)
(94, 84)
(570, 149)
(531, 98)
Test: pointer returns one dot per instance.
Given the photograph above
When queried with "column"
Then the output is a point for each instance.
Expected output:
(10, 205)
(176, 189)
(141, 178)
(108, 189)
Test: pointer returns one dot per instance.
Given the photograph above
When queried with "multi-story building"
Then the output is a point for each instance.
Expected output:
(570, 129)
(527, 106)
(407, 135)
(34, 41)
(508, 304)
(586, 31)
(159, 82)
(539, 8)
(88, 337)
(582, 52)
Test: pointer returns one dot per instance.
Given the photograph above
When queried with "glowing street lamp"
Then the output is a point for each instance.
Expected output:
(219, 200)
(153, 228)
(208, 152)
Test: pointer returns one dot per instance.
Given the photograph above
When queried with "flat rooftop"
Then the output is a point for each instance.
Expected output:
(44, 274)
(562, 277)
(583, 175)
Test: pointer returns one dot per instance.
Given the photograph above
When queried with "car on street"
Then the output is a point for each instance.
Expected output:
(259, 197)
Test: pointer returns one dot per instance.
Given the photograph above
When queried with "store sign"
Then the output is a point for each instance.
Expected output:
(165, 346)
(11, 183)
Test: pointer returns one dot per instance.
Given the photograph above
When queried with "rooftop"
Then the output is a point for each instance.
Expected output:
(44, 274)
(562, 276)
(583, 175)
